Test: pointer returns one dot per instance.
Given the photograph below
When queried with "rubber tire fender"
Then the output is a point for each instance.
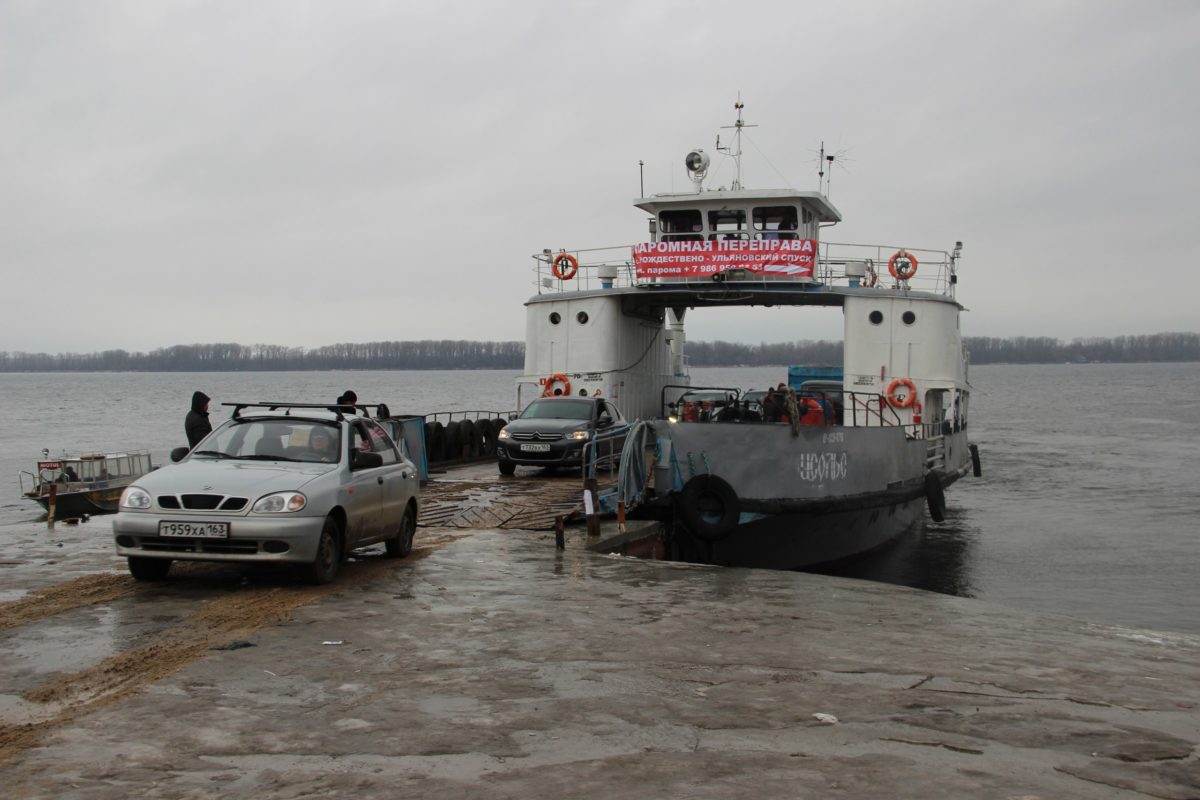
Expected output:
(976, 468)
(470, 437)
(488, 430)
(700, 498)
(454, 442)
(435, 442)
(935, 496)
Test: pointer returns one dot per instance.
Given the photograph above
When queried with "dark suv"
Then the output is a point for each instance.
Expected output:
(552, 431)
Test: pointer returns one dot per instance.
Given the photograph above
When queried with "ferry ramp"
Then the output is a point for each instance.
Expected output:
(477, 497)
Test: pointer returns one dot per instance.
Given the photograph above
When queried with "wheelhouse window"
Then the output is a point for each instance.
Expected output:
(685, 225)
(727, 224)
(776, 222)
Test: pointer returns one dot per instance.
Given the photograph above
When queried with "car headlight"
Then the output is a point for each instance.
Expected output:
(280, 503)
(580, 435)
(135, 497)
(503, 434)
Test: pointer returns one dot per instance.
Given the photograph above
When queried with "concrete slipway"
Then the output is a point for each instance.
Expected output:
(492, 665)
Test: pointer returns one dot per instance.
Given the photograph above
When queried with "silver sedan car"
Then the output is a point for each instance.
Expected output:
(303, 486)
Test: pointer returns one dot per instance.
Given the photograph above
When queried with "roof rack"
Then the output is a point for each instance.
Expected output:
(381, 409)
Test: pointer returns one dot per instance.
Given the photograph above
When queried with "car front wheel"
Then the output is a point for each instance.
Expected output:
(149, 569)
(402, 544)
(324, 567)
(507, 467)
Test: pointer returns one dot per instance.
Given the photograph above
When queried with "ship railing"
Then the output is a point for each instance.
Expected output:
(842, 263)
(935, 451)
(445, 438)
(838, 264)
(870, 409)
(603, 451)
(598, 268)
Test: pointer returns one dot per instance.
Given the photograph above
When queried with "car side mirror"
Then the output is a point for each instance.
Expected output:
(360, 459)
(178, 453)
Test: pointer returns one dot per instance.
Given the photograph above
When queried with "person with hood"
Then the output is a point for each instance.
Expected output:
(196, 425)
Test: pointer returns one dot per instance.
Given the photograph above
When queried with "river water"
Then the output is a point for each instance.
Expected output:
(1088, 504)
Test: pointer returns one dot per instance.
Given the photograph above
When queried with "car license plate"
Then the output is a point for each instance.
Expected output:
(195, 530)
(535, 448)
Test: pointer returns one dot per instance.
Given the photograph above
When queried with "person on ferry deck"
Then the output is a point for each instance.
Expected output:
(196, 424)
(775, 404)
(346, 402)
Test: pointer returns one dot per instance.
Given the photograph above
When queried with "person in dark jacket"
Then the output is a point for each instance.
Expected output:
(196, 425)
(346, 402)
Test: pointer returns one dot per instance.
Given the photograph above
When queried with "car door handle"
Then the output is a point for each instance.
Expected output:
(379, 480)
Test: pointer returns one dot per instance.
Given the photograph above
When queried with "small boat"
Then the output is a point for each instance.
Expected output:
(82, 485)
(845, 456)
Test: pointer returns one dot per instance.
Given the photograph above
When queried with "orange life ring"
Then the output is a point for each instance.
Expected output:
(553, 379)
(564, 274)
(901, 272)
(903, 402)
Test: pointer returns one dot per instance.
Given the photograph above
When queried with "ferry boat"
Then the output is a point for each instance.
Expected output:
(81, 485)
(853, 454)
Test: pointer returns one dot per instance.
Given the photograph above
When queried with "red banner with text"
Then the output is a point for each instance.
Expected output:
(793, 257)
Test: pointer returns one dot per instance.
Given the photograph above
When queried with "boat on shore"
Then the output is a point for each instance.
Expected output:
(853, 453)
(81, 485)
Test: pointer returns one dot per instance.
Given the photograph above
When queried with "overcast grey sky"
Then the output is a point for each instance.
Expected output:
(304, 173)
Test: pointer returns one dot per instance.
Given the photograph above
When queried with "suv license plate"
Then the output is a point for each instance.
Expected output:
(535, 448)
(195, 530)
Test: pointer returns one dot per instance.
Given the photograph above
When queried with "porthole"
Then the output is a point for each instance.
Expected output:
(582, 317)
(876, 317)
(555, 318)
(908, 317)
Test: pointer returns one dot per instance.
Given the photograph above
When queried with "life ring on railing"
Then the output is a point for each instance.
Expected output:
(561, 272)
(548, 391)
(906, 400)
(902, 265)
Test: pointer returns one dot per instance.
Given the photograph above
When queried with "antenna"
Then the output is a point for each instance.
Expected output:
(824, 162)
(821, 168)
(736, 149)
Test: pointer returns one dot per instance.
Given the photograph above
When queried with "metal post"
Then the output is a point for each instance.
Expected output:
(590, 506)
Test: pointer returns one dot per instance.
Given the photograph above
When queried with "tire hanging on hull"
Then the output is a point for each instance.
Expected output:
(935, 496)
(976, 469)
(709, 507)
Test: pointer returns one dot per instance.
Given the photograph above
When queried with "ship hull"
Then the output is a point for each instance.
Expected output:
(80, 504)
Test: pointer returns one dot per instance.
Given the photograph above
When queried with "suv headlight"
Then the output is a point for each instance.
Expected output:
(580, 435)
(503, 434)
(135, 497)
(280, 503)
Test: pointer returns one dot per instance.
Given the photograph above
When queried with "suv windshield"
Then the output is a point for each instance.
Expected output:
(558, 409)
(276, 440)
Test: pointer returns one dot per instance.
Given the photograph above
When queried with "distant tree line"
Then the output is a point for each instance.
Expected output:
(228, 357)
(456, 354)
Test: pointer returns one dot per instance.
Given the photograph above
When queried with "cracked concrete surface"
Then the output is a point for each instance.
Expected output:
(495, 666)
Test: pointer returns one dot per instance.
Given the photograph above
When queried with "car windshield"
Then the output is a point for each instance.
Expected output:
(558, 409)
(275, 440)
